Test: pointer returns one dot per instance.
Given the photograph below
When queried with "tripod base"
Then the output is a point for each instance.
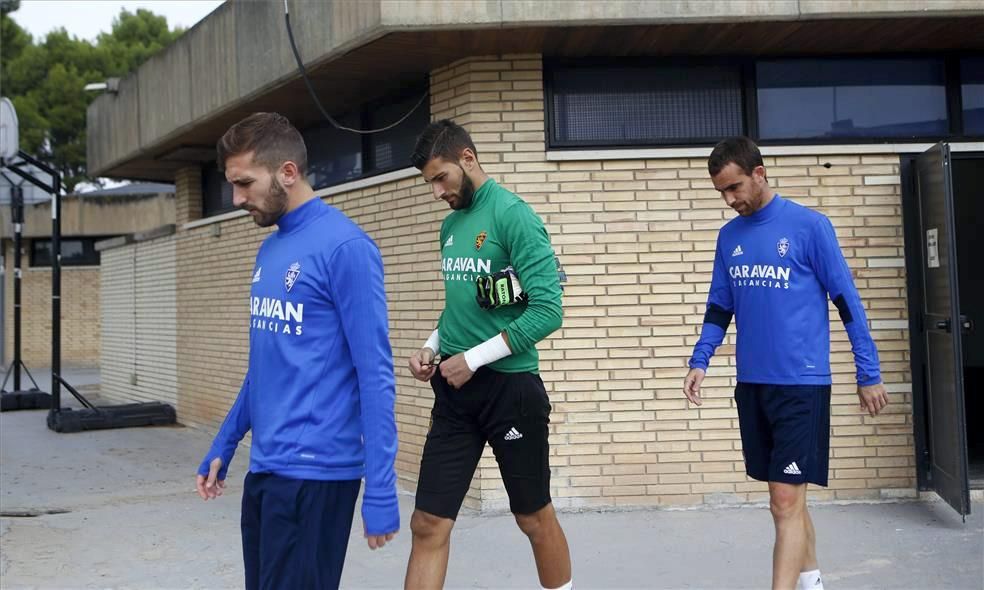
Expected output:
(31, 399)
(68, 420)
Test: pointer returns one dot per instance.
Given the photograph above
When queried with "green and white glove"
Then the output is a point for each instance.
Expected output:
(499, 289)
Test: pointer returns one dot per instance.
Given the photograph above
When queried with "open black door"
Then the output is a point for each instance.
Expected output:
(942, 324)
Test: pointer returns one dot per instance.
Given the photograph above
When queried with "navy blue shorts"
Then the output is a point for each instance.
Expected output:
(785, 431)
(295, 531)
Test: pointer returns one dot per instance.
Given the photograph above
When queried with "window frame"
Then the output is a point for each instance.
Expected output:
(91, 240)
(550, 65)
(750, 121)
(363, 111)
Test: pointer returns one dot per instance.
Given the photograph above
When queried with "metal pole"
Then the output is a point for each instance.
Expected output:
(17, 215)
(56, 293)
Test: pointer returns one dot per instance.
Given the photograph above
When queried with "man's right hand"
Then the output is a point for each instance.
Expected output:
(691, 385)
(421, 364)
(211, 486)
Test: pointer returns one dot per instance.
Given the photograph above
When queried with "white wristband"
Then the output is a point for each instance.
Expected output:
(434, 342)
(491, 350)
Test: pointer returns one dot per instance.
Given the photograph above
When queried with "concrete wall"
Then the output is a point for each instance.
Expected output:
(139, 322)
(94, 216)
(241, 50)
(636, 238)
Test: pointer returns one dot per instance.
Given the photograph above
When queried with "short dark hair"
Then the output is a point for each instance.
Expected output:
(737, 150)
(271, 138)
(441, 139)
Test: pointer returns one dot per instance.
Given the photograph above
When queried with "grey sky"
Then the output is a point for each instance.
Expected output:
(87, 18)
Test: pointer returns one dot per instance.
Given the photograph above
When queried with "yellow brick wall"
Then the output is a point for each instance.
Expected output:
(636, 238)
(214, 270)
(79, 312)
(188, 183)
(139, 319)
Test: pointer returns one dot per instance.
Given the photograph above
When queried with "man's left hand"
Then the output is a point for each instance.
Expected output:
(377, 541)
(873, 398)
(456, 370)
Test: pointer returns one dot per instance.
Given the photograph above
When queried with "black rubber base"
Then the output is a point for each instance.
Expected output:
(32, 399)
(102, 418)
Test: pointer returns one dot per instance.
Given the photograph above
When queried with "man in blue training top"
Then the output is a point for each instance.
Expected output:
(319, 391)
(774, 266)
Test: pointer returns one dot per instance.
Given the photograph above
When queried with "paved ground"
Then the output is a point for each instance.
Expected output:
(116, 509)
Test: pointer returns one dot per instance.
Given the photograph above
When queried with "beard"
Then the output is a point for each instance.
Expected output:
(273, 207)
(467, 193)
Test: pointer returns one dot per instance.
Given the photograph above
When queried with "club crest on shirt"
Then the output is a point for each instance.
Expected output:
(783, 247)
(480, 239)
(290, 278)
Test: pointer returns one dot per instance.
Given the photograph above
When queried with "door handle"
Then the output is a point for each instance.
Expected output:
(966, 324)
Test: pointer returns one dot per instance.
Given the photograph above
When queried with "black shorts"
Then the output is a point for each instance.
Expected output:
(511, 412)
(785, 431)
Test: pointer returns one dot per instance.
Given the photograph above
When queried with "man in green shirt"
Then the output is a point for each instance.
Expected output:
(486, 384)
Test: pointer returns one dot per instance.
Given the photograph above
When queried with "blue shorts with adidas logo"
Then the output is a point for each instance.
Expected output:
(785, 431)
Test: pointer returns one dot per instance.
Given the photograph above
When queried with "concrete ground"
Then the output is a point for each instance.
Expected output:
(116, 509)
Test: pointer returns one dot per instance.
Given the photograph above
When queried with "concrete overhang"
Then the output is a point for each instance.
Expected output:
(238, 60)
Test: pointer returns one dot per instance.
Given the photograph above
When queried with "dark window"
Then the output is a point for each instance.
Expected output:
(334, 156)
(972, 93)
(74, 252)
(390, 149)
(845, 98)
(614, 105)
(216, 192)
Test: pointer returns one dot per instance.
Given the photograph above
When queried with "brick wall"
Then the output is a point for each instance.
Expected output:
(636, 238)
(139, 319)
(79, 312)
(188, 183)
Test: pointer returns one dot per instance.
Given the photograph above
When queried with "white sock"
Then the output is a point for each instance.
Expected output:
(810, 581)
(567, 586)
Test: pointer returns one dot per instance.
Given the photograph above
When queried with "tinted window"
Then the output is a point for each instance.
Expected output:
(829, 98)
(216, 191)
(972, 93)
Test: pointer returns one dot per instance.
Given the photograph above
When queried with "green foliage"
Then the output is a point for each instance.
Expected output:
(45, 80)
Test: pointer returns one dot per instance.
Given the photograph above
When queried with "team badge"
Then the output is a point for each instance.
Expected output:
(480, 239)
(783, 247)
(291, 277)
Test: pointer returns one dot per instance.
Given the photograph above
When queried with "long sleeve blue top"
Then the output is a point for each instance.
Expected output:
(320, 390)
(773, 272)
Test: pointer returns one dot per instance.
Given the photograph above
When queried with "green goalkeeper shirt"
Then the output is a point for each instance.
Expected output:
(498, 230)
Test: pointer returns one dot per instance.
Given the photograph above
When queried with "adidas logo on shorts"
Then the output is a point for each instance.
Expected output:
(513, 434)
(792, 469)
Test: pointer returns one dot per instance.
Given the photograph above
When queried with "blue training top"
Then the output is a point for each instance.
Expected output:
(773, 271)
(320, 389)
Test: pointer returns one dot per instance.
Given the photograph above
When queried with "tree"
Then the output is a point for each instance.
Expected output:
(45, 81)
(13, 39)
